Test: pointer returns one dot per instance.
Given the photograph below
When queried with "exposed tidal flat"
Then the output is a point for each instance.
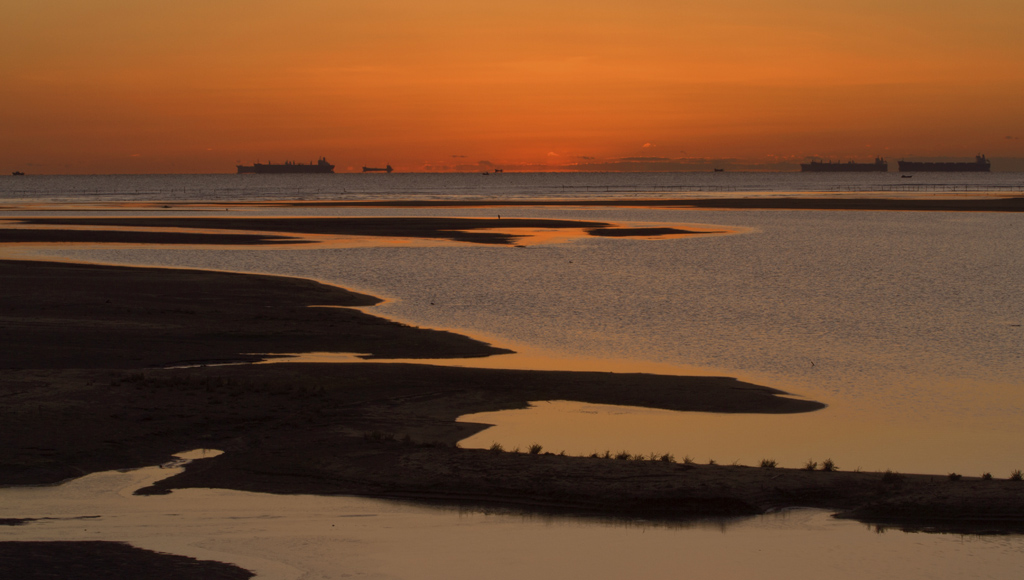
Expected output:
(904, 323)
(715, 302)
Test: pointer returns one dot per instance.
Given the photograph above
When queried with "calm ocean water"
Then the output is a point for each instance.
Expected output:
(909, 325)
(177, 188)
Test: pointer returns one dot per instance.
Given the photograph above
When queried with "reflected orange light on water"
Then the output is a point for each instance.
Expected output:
(852, 441)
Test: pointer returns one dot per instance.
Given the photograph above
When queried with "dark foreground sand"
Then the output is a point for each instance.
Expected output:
(106, 561)
(804, 201)
(85, 388)
(471, 230)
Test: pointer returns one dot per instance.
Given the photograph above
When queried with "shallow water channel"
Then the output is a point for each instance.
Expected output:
(315, 537)
(908, 325)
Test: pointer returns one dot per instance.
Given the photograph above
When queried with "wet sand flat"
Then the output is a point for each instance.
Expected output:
(810, 201)
(153, 230)
(962, 202)
(85, 390)
(101, 560)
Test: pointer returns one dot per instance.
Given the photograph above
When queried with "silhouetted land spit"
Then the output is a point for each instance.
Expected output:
(455, 229)
(91, 401)
(74, 316)
(995, 203)
(103, 561)
(45, 236)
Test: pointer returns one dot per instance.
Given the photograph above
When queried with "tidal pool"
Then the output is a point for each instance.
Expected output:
(286, 537)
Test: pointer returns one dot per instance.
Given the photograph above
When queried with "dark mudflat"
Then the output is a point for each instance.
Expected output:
(88, 401)
(453, 229)
(810, 201)
(63, 315)
(105, 561)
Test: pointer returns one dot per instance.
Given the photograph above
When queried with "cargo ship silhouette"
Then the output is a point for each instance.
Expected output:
(387, 169)
(321, 166)
(979, 164)
(821, 166)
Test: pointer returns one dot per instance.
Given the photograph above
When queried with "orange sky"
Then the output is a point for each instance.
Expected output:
(114, 86)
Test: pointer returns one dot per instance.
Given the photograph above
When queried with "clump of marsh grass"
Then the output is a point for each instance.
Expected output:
(623, 455)
(638, 457)
(829, 465)
(769, 464)
(954, 476)
(986, 476)
(667, 458)
(687, 460)
(607, 454)
(892, 477)
(1016, 475)
(379, 436)
(497, 447)
(810, 465)
(535, 449)
(710, 462)
(515, 450)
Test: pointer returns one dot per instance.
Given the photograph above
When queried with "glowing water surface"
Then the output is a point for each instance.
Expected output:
(314, 537)
(907, 324)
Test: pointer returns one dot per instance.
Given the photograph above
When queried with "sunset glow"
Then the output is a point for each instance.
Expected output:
(112, 86)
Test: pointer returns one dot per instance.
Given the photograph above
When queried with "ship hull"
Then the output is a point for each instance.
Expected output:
(843, 167)
(321, 166)
(850, 166)
(909, 166)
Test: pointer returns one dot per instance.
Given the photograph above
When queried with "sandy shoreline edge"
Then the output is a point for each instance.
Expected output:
(85, 390)
(87, 394)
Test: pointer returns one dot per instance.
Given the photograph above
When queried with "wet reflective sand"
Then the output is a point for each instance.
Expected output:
(291, 537)
(906, 391)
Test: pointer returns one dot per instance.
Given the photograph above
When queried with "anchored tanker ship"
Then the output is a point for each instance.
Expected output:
(321, 166)
(821, 166)
(979, 164)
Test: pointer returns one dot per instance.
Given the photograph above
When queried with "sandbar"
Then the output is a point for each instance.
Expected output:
(88, 385)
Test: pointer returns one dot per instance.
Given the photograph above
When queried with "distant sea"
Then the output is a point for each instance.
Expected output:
(472, 186)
